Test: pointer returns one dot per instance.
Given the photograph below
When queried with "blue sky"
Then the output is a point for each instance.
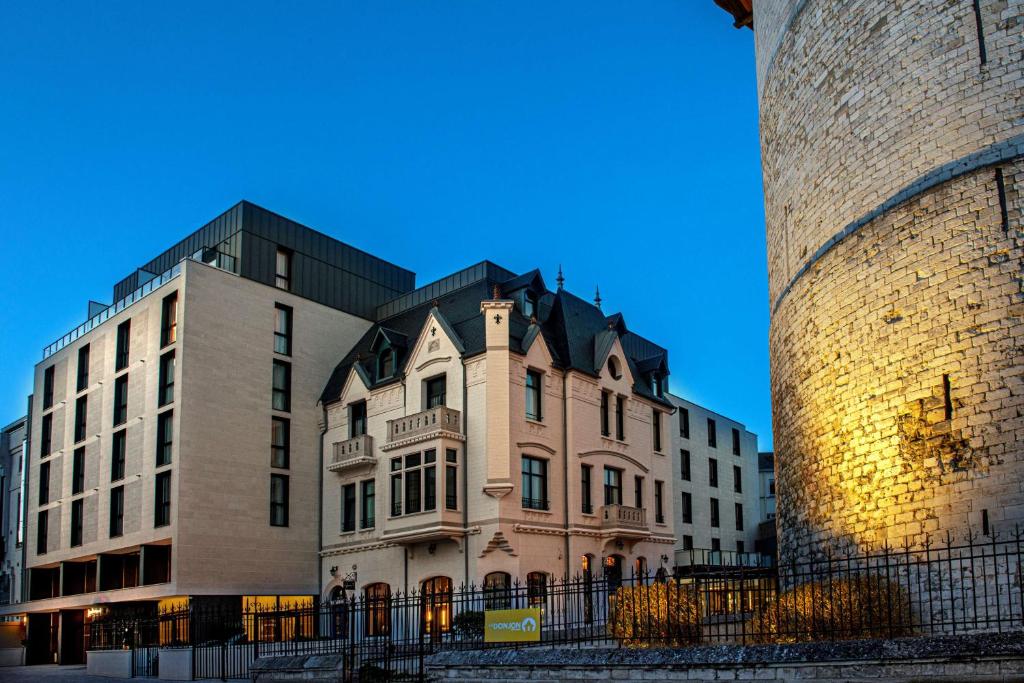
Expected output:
(618, 139)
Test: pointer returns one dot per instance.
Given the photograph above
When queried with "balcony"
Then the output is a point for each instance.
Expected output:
(352, 453)
(424, 425)
(624, 522)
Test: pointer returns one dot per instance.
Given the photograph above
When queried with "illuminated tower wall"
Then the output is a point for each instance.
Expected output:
(892, 143)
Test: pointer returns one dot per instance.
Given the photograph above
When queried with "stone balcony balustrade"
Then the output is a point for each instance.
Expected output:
(351, 453)
(424, 425)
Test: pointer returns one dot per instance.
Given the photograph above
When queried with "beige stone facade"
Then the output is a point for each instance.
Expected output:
(892, 136)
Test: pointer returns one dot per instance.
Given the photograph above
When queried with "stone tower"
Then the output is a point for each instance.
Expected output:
(892, 137)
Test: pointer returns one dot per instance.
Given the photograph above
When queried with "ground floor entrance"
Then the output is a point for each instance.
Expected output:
(56, 637)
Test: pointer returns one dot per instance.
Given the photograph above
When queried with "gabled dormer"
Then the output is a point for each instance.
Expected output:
(526, 291)
(388, 347)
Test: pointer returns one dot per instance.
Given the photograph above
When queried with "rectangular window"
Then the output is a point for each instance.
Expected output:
(282, 386)
(739, 516)
(533, 394)
(81, 414)
(120, 400)
(606, 429)
(659, 508)
(740, 547)
(712, 473)
(83, 369)
(48, 387)
(396, 488)
(280, 442)
(737, 479)
(414, 482)
(716, 544)
(42, 527)
(714, 513)
(687, 542)
(368, 503)
(771, 487)
(278, 500)
(684, 464)
(638, 492)
(712, 435)
(656, 424)
(586, 472)
(436, 388)
(116, 511)
(429, 480)
(283, 329)
(735, 441)
(78, 471)
(356, 419)
(348, 508)
(451, 479)
(684, 423)
(612, 486)
(620, 418)
(283, 269)
(166, 390)
(535, 483)
(169, 320)
(413, 486)
(46, 436)
(76, 522)
(687, 508)
(164, 437)
(122, 348)
(44, 483)
(117, 454)
(162, 500)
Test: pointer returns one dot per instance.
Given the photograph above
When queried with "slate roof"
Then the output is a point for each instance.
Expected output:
(568, 324)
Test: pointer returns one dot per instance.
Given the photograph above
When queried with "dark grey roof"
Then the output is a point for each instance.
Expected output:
(568, 324)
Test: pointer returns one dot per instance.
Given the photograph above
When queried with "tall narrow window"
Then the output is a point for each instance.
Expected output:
(169, 320)
(535, 483)
(436, 391)
(46, 436)
(684, 464)
(348, 508)
(612, 486)
(739, 516)
(164, 437)
(278, 500)
(385, 363)
(166, 391)
(76, 522)
(48, 387)
(684, 423)
(533, 395)
(687, 507)
(396, 487)
(716, 544)
(42, 529)
(740, 548)
(356, 419)
(81, 414)
(377, 598)
(122, 348)
(121, 400)
(536, 589)
(712, 473)
(368, 504)
(280, 442)
(429, 480)
(714, 512)
(735, 441)
(712, 435)
(83, 369)
(283, 329)
(586, 473)
(283, 269)
(117, 455)
(638, 492)
(737, 479)
(659, 509)
(282, 386)
(78, 471)
(606, 429)
(656, 425)
(116, 511)
(162, 500)
(44, 483)
(451, 479)
(413, 484)
(620, 418)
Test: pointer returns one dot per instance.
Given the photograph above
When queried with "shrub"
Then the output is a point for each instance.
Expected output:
(469, 625)
(840, 609)
(659, 615)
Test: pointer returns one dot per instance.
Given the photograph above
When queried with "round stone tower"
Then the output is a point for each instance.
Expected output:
(892, 141)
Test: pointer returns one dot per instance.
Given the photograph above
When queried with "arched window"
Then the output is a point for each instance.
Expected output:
(497, 590)
(536, 589)
(377, 599)
(614, 368)
(436, 598)
(385, 363)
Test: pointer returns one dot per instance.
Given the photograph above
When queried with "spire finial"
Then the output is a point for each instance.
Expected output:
(597, 296)
(561, 278)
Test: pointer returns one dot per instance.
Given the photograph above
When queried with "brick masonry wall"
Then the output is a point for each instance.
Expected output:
(859, 101)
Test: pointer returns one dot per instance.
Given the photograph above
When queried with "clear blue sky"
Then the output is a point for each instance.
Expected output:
(618, 138)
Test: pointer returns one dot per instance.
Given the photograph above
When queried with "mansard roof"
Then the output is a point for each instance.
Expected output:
(570, 326)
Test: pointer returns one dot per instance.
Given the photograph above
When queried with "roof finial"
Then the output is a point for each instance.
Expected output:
(597, 296)
(561, 278)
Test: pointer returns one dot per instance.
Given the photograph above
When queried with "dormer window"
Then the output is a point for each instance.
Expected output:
(529, 304)
(614, 368)
(385, 363)
(657, 384)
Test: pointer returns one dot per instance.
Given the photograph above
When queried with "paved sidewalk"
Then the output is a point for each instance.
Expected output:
(45, 673)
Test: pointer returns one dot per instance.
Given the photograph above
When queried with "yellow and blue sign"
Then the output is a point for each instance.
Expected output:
(512, 625)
